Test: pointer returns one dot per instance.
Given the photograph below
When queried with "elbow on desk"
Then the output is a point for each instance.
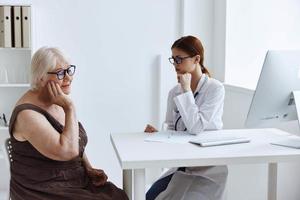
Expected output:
(195, 130)
(197, 127)
(203, 125)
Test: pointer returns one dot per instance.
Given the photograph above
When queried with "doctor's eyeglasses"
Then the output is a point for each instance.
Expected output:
(177, 59)
(62, 73)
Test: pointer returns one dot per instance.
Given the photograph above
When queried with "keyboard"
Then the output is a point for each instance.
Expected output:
(291, 143)
(217, 141)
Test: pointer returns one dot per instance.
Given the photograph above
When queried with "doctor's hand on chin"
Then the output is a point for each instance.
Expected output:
(150, 129)
(185, 81)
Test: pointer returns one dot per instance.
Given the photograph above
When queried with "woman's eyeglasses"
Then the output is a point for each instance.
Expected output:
(62, 73)
(177, 59)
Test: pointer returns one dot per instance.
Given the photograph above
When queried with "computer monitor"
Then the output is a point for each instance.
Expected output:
(273, 100)
(277, 94)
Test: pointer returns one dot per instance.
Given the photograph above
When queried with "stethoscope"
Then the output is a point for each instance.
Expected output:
(195, 97)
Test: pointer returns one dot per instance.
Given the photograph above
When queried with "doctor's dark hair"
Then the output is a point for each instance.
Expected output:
(192, 46)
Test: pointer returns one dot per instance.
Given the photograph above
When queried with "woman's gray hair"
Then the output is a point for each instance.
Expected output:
(43, 61)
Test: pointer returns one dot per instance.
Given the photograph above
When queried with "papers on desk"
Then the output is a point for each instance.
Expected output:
(204, 140)
(181, 137)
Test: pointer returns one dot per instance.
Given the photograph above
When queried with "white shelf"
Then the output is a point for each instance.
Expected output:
(14, 85)
(14, 48)
(14, 72)
(16, 5)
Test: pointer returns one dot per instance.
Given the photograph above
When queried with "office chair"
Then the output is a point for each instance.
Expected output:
(8, 159)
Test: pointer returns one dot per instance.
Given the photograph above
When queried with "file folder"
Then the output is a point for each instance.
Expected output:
(26, 26)
(17, 34)
(5, 26)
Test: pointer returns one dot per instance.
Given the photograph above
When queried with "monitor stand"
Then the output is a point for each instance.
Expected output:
(292, 142)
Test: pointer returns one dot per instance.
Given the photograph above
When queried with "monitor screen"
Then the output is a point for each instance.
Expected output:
(273, 100)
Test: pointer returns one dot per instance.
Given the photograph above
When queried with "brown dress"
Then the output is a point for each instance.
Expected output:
(36, 177)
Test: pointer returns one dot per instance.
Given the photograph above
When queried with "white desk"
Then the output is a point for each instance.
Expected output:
(135, 155)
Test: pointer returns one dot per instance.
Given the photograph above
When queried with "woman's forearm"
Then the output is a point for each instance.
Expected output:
(70, 135)
(86, 162)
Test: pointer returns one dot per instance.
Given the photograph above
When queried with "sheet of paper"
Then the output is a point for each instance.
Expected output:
(180, 137)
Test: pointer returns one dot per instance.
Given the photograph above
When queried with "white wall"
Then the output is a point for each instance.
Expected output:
(219, 39)
(205, 19)
(198, 21)
(115, 45)
(253, 27)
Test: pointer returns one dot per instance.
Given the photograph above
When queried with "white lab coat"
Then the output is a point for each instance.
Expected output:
(199, 113)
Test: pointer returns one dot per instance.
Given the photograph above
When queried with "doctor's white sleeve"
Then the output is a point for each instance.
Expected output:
(197, 118)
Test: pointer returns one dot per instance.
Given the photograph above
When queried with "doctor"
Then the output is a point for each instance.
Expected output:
(194, 105)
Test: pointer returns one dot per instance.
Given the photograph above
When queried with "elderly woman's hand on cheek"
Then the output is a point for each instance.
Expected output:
(97, 176)
(57, 96)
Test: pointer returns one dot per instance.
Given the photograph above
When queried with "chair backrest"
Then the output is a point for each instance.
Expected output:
(7, 149)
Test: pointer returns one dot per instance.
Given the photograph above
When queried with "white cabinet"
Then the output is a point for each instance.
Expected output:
(14, 77)
(14, 62)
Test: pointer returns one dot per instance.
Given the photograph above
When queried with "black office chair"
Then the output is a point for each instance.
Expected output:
(8, 159)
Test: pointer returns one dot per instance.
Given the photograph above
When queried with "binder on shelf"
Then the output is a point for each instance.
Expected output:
(26, 23)
(17, 34)
(5, 26)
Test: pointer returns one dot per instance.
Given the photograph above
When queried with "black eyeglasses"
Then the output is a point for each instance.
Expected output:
(177, 59)
(62, 73)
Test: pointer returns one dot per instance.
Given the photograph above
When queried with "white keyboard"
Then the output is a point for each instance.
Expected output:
(291, 143)
(222, 140)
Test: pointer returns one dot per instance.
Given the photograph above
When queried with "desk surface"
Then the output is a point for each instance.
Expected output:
(134, 153)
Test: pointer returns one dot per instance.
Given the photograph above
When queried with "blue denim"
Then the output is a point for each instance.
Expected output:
(160, 185)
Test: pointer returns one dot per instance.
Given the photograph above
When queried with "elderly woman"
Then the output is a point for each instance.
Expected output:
(48, 142)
